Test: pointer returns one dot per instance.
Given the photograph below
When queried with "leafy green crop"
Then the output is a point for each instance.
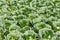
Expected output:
(29, 19)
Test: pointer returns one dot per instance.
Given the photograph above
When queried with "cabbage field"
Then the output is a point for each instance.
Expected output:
(29, 19)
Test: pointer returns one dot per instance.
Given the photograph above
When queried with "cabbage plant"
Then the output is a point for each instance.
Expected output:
(29, 19)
